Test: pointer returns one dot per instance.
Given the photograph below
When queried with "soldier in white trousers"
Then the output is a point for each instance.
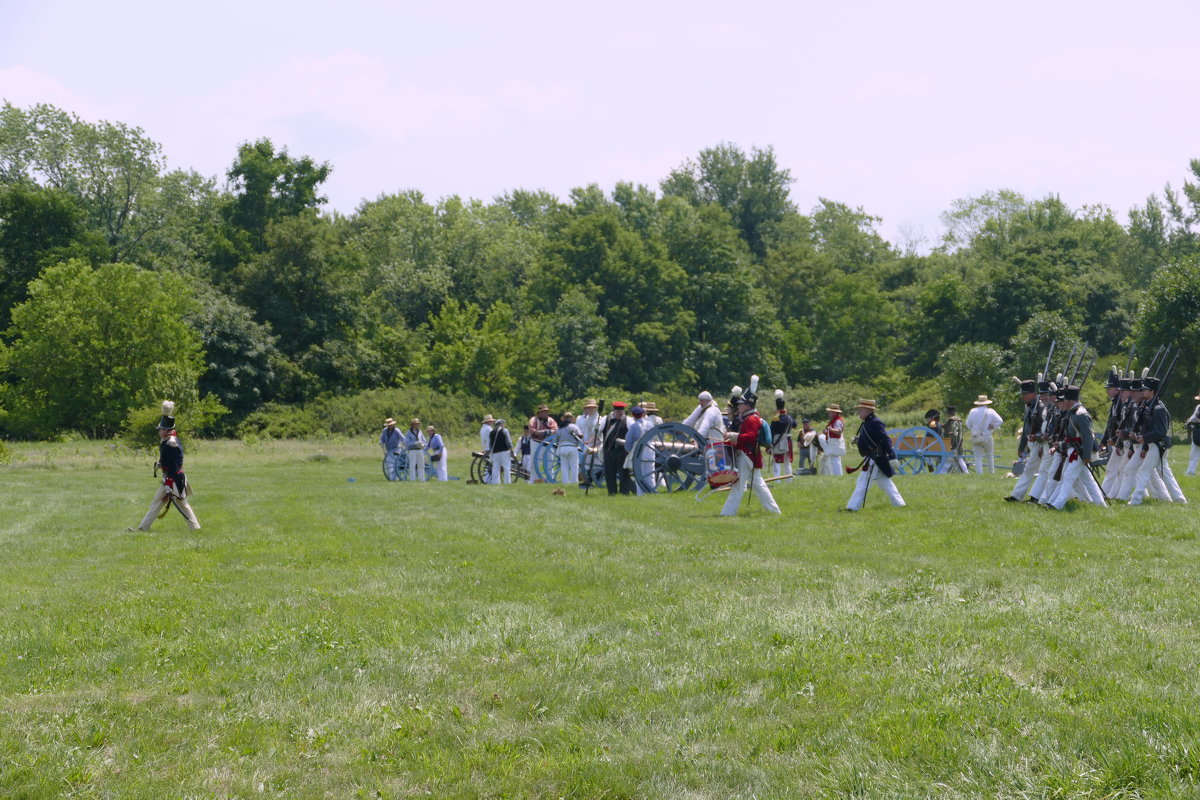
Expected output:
(746, 442)
(1078, 445)
(174, 489)
(879, 459)
(1027, 449)
(1154, 426)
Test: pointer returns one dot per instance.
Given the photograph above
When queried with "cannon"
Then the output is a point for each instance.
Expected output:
(481, 464)
(668, 458)
(395, 467)
(921, 449)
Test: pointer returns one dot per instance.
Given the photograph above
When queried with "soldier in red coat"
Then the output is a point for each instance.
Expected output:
(747, 441)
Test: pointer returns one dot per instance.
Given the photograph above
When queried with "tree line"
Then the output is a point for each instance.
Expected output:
(123, 281)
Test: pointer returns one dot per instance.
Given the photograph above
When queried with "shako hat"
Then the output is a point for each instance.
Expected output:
(168, 416)
(780, 403)
(932, 413)
(1114, 378)
(1070, 393)
(1044, 386)
(1151, 383)
(1026, 387)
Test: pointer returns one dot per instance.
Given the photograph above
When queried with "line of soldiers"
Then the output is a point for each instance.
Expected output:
(1061, 451)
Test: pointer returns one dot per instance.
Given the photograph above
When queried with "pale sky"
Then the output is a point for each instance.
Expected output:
(896, 107)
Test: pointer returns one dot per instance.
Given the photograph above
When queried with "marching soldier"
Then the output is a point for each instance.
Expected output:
(1078, 445)
(879, 458)
(1152, 438)
(1039, 437)
(1027, 449)
(174, 489)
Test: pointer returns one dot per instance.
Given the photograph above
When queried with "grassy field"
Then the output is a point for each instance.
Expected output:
(323, 637)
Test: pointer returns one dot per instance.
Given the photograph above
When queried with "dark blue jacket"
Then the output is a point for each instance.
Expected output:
(875, 444)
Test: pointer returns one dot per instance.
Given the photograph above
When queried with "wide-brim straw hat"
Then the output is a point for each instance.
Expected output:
(489, 418)
(865, 404)
(983, 400)
(650, 406)
(414, 421)
(835, 408)
(431, 429)
(590, 403)
(389, 421)
(543, 407)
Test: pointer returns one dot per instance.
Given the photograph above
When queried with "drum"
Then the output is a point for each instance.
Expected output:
(719, 465)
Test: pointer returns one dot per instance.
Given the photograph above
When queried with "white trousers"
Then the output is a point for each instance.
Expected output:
(568, 465)
(527, 463)
(1112, 473)
(161, 498)
(443, 472)
(1033, 462)
(416, 465)
(1169, 479)
(1077, 481)
(1044, 485)
(1148, 477)
(501, 468)
(831, 465)
(747, 474)
(1194, 461)
(985, 451)
(866, 476)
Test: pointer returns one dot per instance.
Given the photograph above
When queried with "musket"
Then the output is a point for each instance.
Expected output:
(1075, 372)
(1087, 371)
(1070, 360)
(1162, 384)
(1154, 361)
(1129, 361)
(1049, 356)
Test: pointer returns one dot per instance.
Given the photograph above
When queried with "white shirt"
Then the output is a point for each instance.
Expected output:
(587, 425)
(982, 420)
(485, 436)
(707, 422)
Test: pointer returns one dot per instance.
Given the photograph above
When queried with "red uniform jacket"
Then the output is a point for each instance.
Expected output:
(747, 440)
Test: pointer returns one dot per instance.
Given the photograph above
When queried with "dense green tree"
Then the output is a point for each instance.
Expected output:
(1168, 314)
(240, 355)
(91, 344)
(581, 357)
(969, 370)
(854, 330)
(39, 227)
(108, 167)
(752, 189)
(269, 186)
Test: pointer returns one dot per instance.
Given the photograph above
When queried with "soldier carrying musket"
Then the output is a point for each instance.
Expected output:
(1077, 445)
(175, 488)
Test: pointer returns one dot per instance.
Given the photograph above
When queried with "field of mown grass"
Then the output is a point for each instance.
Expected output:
(323, 637)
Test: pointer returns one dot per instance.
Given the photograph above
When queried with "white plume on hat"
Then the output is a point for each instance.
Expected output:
(1016, 380)
(737, 392)
(1041, 376)
(754, 384)
(779, 392)
(168, 408)
(1145, 373)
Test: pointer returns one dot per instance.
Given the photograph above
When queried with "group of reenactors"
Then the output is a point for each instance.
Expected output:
(1060, 450)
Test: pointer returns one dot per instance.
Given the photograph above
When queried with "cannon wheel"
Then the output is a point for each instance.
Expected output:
(669, 456)
(480, 462)
(395, 466)
(918, 449)
(546, 463)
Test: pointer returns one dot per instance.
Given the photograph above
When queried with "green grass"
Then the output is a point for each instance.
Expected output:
(327, 638)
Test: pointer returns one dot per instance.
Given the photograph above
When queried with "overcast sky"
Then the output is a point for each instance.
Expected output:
(897, 107)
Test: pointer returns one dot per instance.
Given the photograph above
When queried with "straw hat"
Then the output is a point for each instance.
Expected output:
(430, 429)
(983, 400)
(870, 404)
(590, 403)
(650, 405)
(414, 421)
(489, 418)
(389, 421)
(835, 408)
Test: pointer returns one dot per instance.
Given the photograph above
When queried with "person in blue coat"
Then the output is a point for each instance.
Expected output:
(879, 458)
